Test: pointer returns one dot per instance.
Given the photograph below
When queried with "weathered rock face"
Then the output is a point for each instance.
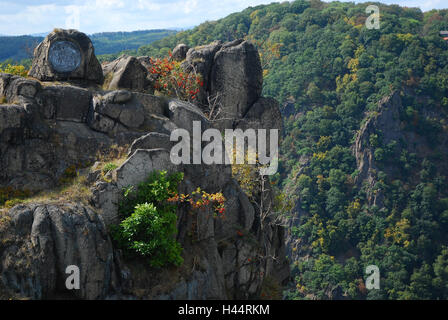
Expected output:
(127, 73)
(51, 127)
(233, 78)
(46, 129)
(64, 55)
(232, 257)
(200, 60)
(40, 241)
(263, 114)
(386, 122)
(237, 77)
(180, 52)
(65, 103)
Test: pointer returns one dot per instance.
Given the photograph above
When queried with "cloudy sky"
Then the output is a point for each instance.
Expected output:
(19, 17)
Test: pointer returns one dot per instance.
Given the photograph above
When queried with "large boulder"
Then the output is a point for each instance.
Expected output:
(66, 55)
(232, 76)
(40, 241)
(180, 52)
(236, 78)
(4, 81)
(127, 72)
(200, 60)
(183, 114)
(18, 87)
(117, 110)
(67, 103)
(140, 164)
(152, 104)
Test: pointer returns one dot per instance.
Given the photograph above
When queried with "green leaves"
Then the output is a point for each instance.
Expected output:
(148, 228)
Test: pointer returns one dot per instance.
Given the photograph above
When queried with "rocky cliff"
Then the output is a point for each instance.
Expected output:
(51, 131)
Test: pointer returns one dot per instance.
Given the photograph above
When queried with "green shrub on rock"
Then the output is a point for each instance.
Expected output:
(148, 227)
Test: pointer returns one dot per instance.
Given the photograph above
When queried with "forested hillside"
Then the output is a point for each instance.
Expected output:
(368, 179)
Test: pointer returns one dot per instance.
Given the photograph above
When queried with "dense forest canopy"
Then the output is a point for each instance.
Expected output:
(331, 71)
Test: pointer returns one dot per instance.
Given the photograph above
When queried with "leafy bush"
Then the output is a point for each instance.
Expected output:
(149, 232)
(172, 80)
(148, 227)
(109, 167)
(17, 70)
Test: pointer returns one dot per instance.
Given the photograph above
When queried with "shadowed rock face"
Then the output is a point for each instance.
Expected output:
(44, 240)
(180, 52)
(127, 73)
(237, 76)
(46, 128)
(233, 78)
(64, 55)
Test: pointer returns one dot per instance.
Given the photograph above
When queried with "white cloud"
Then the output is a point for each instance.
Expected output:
(148, 5)
(190, 5)
(35, 16)
(109, 4)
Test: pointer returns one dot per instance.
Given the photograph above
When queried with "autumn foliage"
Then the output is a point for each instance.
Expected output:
(172, 80)
(199, 199)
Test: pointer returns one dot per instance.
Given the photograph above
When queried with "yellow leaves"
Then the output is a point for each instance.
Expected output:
(353, 65)
(15, 70)
(326, 234)
(398, 233)
(300, 288)
(321, 181)
(356, 205)
(254, 17)
(199, 199)
(354, 22)
(324, 142)
(268, 50)
(320, 155)
(350, 21)
(354, 208)
(246, 174)
(359, 51)
(341, 84)
(405, 37)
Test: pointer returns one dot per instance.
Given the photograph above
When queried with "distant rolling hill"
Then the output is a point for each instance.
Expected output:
(17, 48)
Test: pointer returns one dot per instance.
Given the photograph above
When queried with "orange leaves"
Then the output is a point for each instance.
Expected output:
(172, 80)
(200, 199)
